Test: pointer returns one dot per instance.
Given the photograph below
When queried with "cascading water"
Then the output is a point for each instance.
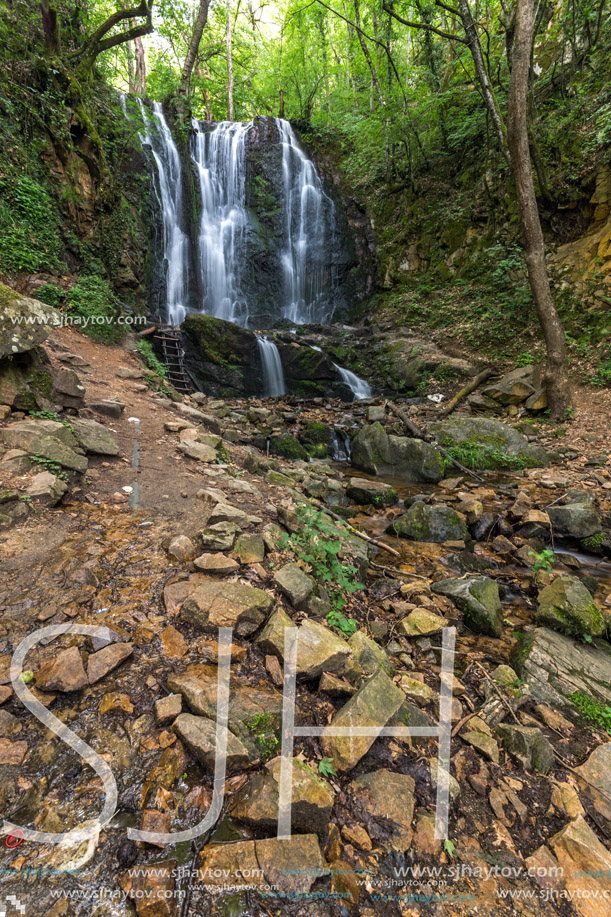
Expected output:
(308, 215)
(273, 376)
(219, 156)
(157, 135)
(359, 388)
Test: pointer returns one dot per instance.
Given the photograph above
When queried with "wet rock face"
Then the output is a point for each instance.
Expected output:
(478, 599)
(222, 356)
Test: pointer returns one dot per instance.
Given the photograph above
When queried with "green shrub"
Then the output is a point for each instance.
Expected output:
(51, 294)
(145, 349)
(29, 227)
(93, 303)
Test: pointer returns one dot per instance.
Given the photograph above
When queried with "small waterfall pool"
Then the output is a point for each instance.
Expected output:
(273, 375)
(359, 388)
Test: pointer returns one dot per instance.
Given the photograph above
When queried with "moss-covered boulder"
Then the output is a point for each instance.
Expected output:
(429, 523)
(478, 599)
(567, 606)
(484, 443)
(408, 460)
(223, 357)
(577, 517)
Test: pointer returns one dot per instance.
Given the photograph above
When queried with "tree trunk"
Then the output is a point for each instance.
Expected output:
(557, 382)
(229, 65)
(140, 75)
(198, 29)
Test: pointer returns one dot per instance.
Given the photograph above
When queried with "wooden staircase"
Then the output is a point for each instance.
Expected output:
(173, 353)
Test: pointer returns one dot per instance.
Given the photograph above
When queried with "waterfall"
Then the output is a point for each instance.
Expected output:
(273, 376)
(157, 135)
(308, 215)
(219, 156)
(359, 388)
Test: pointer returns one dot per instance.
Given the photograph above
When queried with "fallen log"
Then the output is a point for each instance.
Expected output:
(458, 397)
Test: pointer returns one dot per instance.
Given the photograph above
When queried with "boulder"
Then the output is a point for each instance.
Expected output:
(436, 523)
(556, 666)
(93, 436)
(105, 660)
(567, 606)
(595, 773)
(587, 867)
(389, 796)
(256, 804)
(290, 865)
(364, 492)
(214, 605)
(368, 655)
(406, 460)
(182, 549)
(576, 519)
(490, 443)
(166, 709)
(219, 537)
(46, 488)
(46, 439)
(421, 622)
(24, 322)
(199, 735)
(516, 386)
(318, 650)
(478, 599)
(529, 745)
(69, 390)
(216, 563)
(198, 451)
(250, 549)
(373, 705)
(294, 583)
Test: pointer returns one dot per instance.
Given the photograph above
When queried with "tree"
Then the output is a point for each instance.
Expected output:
(198, 29)
(229, 64)
(558, 389)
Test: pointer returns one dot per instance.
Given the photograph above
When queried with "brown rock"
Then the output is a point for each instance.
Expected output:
(292, 865)
(115, 701)
(357, 836)
(274, 671)
(182, 549)
(105, 660)
(174, 644)
(167, 709)
(215, 605)
(389, 796)
(587, 865)
(344, 882)
(12, 752)
(64, 673)
(216, 563)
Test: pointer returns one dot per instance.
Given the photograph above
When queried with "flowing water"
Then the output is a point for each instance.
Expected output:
(158, 137)
(359, 388)
(273, 375)
(219, 156)
(308, 215)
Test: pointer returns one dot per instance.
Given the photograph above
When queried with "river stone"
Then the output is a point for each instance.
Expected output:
(24, 322)
(372, 705)
(567, 606)
(577, 520)
(105, 660)
(556, 666)
(219, 537)
(291, 865)
(216, 563)
(250, 549)
(93, 436)
(294, 583)
(318, 650)
(369, 655)
(182, 549)
(494, 436)
(389, 796)
(225, 512)
(587, 867)
(407, 460)
(528, 744)
(199, 735)
(47, 488)
(198, 451)
(214, 605)
(47, 439)
(421, 622)
(478, 599)
(429, 523)
(514, 387)
(596, 776)
(64, 673)
(364, 492)
(167, 708)
(256, 804)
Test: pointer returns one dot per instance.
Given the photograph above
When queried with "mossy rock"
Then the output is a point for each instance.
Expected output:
(483, 443)
(435, 524)
(222, 356)
(567, 606)
(408, 460)
(288, 447)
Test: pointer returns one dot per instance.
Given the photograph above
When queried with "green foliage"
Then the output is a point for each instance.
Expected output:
(348, 626)
(543, 561)
(262, 728)
(594, 542)
(50, 466)
(449, 848)
(51, 294)
(96, 309)
(145, 349)
(592, 710)
(325, 767)
(29, 234)
(478, 455)
(318, 545)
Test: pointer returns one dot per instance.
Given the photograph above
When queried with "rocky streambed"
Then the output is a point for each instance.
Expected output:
(246, 520)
